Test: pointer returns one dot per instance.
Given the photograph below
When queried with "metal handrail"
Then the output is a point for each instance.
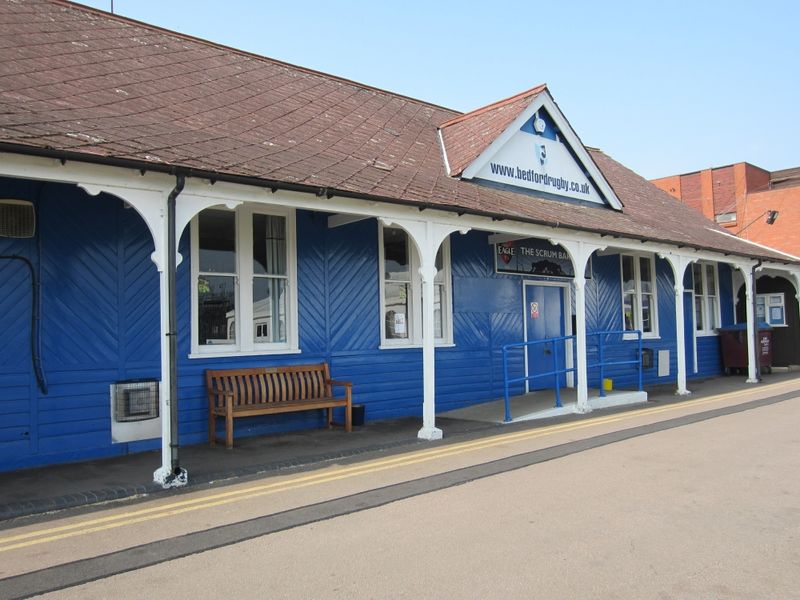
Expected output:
(555, 372)
(602, 364)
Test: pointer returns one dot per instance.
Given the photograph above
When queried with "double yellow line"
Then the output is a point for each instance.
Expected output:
(93, 525)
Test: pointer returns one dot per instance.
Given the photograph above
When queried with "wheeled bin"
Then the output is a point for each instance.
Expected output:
(733, 343)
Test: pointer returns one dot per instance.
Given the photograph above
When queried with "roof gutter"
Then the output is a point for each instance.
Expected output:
(320, 191)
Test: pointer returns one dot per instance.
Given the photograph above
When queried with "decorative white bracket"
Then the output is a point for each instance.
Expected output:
(679, 263)
(746, 267)
(579, 252)
(427, 237)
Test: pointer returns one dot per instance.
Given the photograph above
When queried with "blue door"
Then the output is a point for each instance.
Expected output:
(544, 318)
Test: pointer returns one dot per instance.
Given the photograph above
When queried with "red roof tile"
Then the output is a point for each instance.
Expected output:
(467, 136)
(79, 80)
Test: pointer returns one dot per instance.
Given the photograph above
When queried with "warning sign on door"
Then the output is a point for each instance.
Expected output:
(534, 310)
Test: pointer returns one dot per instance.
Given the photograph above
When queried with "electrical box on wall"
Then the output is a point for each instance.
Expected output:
(134, 410)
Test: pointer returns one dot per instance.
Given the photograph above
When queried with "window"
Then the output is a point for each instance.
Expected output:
(706, 297)
(243, 269)
(771, 308)
(639, 303)
(401, 285)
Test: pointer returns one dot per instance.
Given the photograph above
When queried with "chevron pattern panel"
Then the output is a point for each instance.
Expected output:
(139, 318)
(312, 282)
(354, 288)
(471, 329)
(15, 309)
(79, 279)
(471, 255)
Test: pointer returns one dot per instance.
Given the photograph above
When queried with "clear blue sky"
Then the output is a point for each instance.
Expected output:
(663, 87)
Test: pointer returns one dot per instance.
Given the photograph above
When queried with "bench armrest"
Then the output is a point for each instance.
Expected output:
(344, 383)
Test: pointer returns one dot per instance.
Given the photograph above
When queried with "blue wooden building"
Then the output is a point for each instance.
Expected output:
(315, 219)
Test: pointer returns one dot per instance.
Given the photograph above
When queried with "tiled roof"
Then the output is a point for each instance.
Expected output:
(467, 136)
(77, 80)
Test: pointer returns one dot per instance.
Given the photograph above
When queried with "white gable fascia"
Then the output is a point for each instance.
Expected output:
(545, 100)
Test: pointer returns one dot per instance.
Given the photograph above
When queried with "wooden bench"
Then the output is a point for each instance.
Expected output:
(234, 393)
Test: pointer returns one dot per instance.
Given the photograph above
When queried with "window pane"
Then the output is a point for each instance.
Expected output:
(697, 274)
(216, 310)
(269, 310)
(698, 313)
(760, 313)
(647, 314)
(217, 241)
(439, 267)
(628, 304)
(628, 283)
(646, 274)
(269, 245)
(711, 279)
(395, 254)
(438, 296)
(712, 314)
(396, 316)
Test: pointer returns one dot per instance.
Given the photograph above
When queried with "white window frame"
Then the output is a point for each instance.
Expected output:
(769, 302)
(414, 325)
(245, 344)
(706, 298)
(637, 277)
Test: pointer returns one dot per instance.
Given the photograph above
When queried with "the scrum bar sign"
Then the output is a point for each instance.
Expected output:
(533, 257)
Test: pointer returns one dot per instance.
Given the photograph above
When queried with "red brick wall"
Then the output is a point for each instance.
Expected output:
(784, 234)
(671, 185)
(691, 192)
(724, 190)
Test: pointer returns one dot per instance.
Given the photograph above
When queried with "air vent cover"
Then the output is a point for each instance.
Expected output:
(134, 400)
(17, 219)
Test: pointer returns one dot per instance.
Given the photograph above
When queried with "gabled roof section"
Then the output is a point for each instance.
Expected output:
(525, 143)
(468, 135)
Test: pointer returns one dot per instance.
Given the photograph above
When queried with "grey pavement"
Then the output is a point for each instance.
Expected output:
(36, 491)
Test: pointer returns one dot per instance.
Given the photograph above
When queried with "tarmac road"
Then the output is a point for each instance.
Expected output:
(695, 500)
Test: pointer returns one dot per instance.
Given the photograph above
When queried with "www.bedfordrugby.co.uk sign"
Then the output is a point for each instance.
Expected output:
(537, 158)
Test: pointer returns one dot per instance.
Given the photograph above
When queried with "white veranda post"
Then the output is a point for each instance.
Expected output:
(679, 263)
(750, 291)
(427, 237)
(580, 252)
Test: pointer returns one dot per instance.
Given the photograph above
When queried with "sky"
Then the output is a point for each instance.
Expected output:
(663, 87)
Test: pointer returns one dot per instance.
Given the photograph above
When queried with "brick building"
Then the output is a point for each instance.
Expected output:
(763, 207)
(741, 197)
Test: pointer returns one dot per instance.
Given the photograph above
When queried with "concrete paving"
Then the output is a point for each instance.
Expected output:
(36, 491)
(690, 499)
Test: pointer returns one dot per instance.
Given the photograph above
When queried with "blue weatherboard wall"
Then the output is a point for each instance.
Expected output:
(100, 324)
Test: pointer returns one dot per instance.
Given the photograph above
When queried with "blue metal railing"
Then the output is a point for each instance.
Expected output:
(555, 373)
(602, 364)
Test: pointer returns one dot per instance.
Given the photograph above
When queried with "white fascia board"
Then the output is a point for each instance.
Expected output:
(224, 193)
(84, 173)
(545, 100)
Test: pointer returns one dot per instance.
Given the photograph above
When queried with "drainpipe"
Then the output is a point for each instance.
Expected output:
(177, 474)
